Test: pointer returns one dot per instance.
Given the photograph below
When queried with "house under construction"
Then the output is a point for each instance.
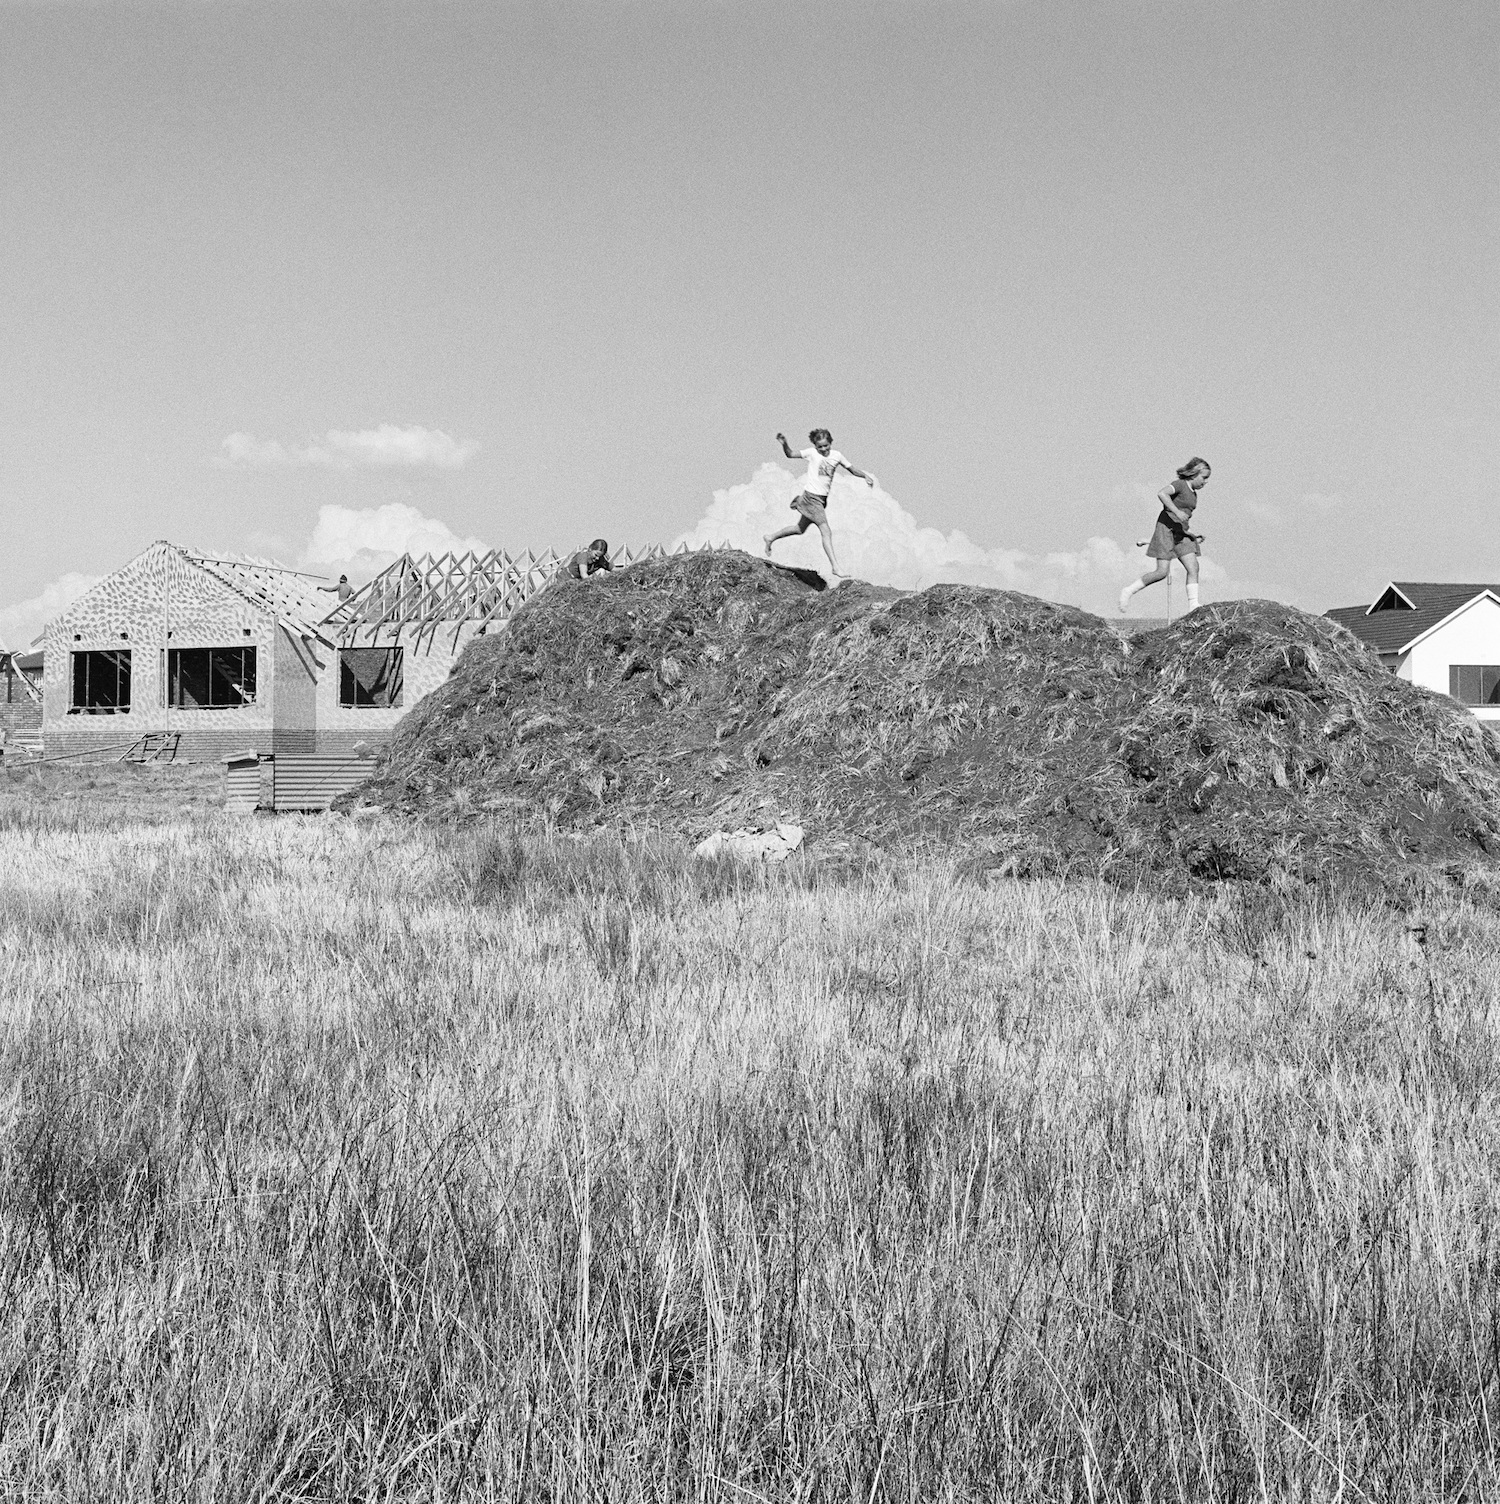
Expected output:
(190, 655)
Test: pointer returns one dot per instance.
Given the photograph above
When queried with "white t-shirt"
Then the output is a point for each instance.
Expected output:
(820, 470)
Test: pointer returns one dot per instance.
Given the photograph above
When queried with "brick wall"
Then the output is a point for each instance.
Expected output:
(23, 720)
(157, 602)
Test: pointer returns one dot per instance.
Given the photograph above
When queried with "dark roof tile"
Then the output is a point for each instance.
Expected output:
(1390, 631)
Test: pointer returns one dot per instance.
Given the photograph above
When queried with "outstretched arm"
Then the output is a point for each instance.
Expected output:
(864, 475)
(787, 449)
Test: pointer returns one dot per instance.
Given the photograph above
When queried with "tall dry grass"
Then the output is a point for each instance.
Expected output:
(344, 1161)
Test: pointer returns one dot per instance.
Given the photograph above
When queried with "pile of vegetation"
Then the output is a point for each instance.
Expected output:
(708, 691)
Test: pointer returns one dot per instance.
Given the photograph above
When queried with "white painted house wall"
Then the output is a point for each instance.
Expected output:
(1470, 635)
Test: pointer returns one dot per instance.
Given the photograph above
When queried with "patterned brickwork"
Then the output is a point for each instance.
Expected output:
(161, 600)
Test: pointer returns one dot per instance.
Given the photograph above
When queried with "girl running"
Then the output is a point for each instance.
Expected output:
(1172, 540)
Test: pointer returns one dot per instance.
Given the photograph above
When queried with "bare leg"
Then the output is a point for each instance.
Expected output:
(1152, 577)
(787, 532)
(826, 533)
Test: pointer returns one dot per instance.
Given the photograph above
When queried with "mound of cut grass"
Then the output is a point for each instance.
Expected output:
(707, 691)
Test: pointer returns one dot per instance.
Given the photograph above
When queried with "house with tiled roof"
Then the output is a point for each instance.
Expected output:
(1443, 637)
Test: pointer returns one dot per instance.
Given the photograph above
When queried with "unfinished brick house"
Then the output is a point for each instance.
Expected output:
(208, 655)
(196, 656)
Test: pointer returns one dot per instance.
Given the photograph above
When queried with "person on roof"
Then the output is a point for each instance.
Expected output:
(1172, 538)
(811, 503)
(343, 589)
(591, 560)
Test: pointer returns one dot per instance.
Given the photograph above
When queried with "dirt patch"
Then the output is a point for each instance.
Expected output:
(709, 691)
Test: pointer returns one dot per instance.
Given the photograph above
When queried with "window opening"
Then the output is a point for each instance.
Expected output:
(210, 678)
(1474, 683)
(101, 683)
(1392, 600)
(370, 678)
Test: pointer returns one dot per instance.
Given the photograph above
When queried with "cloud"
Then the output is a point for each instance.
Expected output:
(240, 451)
(386, 447)
(879, 540)
(361, 541)
(20, 623)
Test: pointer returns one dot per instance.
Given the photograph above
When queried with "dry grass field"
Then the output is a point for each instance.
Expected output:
(349, 1160)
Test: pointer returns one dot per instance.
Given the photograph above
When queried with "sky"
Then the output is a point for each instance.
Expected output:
(321, 281)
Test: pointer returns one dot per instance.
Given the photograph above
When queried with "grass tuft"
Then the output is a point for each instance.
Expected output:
(355, 1160)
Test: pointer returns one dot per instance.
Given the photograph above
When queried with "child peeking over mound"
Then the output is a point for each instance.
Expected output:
(823, 461)
(591, 560)
(1171, 539)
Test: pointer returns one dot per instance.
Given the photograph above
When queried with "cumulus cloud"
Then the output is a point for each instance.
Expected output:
(357, 541)
(386, 447)
(879, 540)
(22, 622)
(361, 541)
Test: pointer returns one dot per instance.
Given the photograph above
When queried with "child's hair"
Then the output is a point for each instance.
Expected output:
(1194, 464)
(820, 433)
(599, 546)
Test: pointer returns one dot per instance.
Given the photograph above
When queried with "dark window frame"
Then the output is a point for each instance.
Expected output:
(1474, 684)
(355, 688)
(218, 682)
(99, 681)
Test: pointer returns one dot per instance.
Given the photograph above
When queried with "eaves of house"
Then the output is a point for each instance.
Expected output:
(1405, 611)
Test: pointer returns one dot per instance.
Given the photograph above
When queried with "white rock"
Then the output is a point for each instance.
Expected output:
(752, 845)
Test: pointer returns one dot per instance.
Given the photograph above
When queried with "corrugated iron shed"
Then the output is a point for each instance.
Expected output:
(313, 783)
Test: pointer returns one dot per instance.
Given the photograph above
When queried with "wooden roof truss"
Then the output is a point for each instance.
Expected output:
(289, 594)
(433, 594)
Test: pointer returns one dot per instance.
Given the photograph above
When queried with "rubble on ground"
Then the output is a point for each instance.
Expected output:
(773, 845)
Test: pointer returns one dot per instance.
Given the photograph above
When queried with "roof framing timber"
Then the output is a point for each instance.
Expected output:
(431, 593)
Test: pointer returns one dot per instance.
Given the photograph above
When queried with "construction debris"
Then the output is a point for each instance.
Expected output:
(774, 845)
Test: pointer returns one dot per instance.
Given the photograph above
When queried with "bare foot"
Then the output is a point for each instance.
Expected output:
(767, 541)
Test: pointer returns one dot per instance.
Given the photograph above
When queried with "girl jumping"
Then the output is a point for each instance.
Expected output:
(811, 505)
(1172, 540)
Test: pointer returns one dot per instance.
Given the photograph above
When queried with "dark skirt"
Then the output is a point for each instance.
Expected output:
(1170, 541)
